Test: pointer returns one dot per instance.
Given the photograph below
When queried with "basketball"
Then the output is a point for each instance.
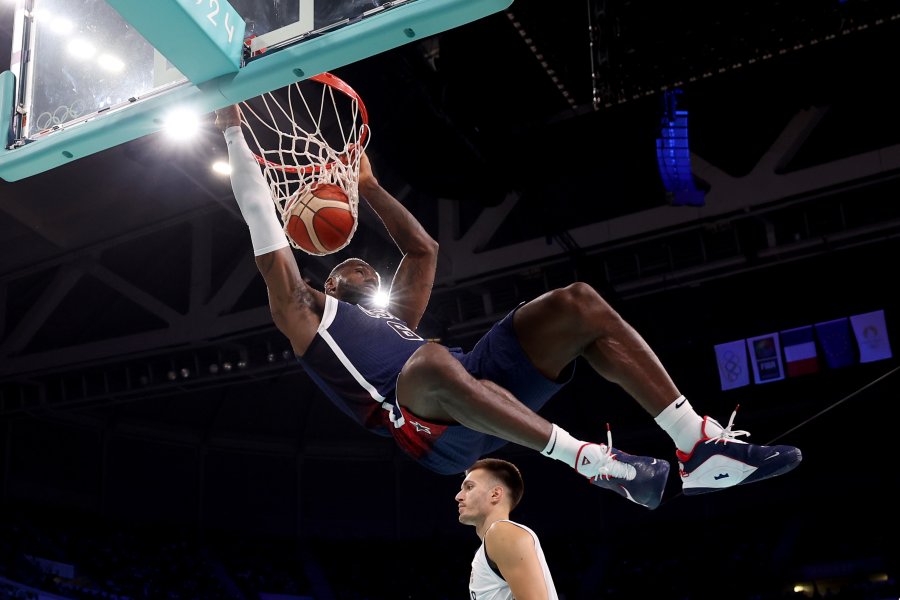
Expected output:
(321, 220)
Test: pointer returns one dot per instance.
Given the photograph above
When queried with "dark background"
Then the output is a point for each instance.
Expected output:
(122, 267)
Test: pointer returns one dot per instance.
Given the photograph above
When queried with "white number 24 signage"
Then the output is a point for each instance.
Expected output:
(215, 18)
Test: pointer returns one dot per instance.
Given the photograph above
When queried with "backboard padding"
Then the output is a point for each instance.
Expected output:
(73, 111)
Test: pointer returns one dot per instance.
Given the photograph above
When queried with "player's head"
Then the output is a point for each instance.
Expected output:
(490, 484)
(354, 281)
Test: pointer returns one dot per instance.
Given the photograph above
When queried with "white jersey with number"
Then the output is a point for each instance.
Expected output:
(486, 584)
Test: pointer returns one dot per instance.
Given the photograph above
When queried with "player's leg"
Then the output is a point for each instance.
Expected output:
(563, 324)
(575, 321)
(434, 385)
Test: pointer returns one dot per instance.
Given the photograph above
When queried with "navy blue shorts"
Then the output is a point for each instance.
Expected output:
(497, 357)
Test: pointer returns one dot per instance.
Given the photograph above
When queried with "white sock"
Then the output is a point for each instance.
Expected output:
(253, 195)
(562, 446)
(593, 458)
(682, 424)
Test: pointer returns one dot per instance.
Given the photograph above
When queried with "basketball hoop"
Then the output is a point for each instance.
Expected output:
(312, 132)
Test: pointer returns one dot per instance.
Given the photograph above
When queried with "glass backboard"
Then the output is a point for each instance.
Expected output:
(86, 79)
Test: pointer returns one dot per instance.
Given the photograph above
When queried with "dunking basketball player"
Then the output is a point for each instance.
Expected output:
(445, 407)
(510, 562)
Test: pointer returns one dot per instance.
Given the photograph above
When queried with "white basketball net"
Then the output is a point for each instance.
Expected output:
(306, 134)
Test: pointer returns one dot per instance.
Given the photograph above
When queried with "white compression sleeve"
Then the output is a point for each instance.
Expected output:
(253, 195)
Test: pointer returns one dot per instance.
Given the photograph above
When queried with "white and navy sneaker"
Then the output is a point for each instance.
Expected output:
(719, 460)
(640, 479)
(648, 484)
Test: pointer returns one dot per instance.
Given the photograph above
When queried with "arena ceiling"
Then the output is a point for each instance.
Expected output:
(525, 142)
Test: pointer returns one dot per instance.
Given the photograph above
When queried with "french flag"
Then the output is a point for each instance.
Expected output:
(799, 346)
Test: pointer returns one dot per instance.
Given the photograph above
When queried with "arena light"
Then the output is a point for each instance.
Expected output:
(62, 26)
(221, 167)
(81, 49)
(110, 63)
(381, 299)
(182, 124)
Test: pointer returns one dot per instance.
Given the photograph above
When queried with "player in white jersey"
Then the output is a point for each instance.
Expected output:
(510, 563)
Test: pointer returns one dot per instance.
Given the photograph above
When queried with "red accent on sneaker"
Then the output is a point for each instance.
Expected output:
(703, 435)
(686, 456)
(578, 456)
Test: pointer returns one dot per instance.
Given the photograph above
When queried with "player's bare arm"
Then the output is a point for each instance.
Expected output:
(296, 307)
(512, 549)
(414, 278)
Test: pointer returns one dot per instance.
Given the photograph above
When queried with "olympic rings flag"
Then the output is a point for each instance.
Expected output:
(732, 360)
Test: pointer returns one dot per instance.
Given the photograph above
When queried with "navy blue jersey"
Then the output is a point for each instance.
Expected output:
(355, 359)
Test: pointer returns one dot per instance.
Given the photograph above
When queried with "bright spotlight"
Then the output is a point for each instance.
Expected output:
(381, 298)
(62, 26)
(182, 124)
(110, 63)
(81, 49)
(221, 167)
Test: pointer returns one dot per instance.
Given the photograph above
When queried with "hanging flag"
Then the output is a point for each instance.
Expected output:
(837, 342)
(799, 347)
(871, 336)
(765, 356)
(732, 360)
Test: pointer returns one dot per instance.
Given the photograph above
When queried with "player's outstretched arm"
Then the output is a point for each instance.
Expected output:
(296, 307)
(513, 550)
(412, 283)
